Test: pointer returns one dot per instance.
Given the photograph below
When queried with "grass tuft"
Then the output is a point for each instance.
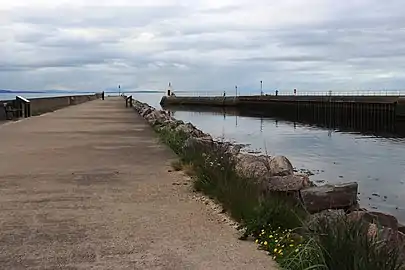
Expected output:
(346, 244)
(177, 165)
(188, 169)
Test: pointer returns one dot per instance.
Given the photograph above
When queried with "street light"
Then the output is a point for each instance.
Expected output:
(236, 90)
(261, 88)
(119, 90)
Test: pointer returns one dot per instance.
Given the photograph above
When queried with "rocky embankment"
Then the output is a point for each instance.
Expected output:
(276, 174)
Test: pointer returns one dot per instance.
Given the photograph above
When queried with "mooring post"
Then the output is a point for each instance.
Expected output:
(128, 102)
(23, 107)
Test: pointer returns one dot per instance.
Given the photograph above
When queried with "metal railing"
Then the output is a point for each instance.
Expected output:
(198, 93)
(345, 93)
(291, 93)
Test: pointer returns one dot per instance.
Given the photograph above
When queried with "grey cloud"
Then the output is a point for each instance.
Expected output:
(34, 36)
(96, 16)
(209, 44)
(76, 42)
(292, 58)
(350, 47)
(220, 10)
(51, 63)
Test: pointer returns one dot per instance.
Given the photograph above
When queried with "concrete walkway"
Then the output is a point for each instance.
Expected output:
(88, 187)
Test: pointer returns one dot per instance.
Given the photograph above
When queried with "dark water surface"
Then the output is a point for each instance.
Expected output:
(376, 163)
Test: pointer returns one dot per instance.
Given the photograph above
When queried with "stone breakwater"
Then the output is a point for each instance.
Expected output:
(276, 174)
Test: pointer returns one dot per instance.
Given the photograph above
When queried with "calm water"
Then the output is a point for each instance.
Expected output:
(376, 163)
(8, 96)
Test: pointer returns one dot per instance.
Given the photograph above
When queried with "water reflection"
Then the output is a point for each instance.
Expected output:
(395, 131)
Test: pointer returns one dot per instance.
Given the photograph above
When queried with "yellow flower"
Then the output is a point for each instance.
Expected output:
(291, 245)
(263, 231)
(257, 241)
(275, 250)
(296, 250)
(265, 243)
(271, 236)
(276, 241)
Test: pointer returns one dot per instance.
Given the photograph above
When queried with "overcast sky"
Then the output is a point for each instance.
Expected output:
(202, 44)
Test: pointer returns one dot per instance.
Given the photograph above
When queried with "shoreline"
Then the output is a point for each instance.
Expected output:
(282, 168)
(329, 156)
(155, 116)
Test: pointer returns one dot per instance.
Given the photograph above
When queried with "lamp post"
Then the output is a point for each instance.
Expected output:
(169, 89)
(119, 90)
(261, 88)
(236, 90)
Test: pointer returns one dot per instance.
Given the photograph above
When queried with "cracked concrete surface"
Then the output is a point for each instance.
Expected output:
(89, 187)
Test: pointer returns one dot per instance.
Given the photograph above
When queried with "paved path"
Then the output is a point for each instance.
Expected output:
(88, 187)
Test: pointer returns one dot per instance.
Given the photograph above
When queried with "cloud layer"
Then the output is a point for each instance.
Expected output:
(202, 45)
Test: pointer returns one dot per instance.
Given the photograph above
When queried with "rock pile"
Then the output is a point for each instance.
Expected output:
(276, 174)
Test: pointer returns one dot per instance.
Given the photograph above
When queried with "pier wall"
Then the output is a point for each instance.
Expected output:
(47, 104)
(370, 112)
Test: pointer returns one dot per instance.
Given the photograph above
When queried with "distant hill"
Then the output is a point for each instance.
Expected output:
(18, 91)
(138, 91)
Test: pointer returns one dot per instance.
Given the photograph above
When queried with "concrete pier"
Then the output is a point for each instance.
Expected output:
(89, 187)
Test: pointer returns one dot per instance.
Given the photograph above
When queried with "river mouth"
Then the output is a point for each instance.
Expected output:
(375, 158)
